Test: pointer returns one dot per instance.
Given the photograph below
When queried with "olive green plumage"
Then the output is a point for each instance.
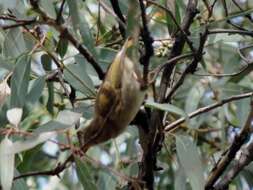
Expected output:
(118, 101)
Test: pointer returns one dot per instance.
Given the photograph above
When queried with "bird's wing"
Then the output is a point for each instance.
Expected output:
(107, 100)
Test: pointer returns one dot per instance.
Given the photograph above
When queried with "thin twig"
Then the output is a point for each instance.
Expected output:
(231, 31)
(205, 109)
(56, 171)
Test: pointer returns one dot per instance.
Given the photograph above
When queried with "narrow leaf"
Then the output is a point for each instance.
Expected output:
(36, 90)
(84, 176)
(165, 107)
(190, 159)
(20, 146)
(7, 164)
(76, 75)
(14, 44)
(20, 81)
(64, 120)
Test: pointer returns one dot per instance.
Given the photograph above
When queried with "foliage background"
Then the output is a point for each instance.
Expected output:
(52, 80)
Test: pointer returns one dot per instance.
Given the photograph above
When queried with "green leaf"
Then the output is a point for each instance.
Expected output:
(51, 126)
(194, 97)
(106, 56)
(86, 109)
(180, 179)
(64, 120)
(80, 24)
(48, 6)
(36, 90)
(243, 110)
(84, 175)
(5, 64)
(173, 6)
(19, 184)
(7, 164)
(62, 47)
(47, 65)
(76, 76)
(20, 81)
(165, 107)
(224, 38)
(106, 181)
(14, 44)
(46, 62)
(23, 145)
(8, 4)
(190, 159)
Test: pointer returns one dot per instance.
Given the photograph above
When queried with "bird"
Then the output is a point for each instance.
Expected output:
(118, 100)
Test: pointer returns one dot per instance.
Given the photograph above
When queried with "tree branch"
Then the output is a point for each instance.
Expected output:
(231, 31)
(246, 157)
(191, 68)
(64, 32)
(229, 155)
(117, 11)
(205, 109)
(152, 141)
(56, 171)
(148, 40)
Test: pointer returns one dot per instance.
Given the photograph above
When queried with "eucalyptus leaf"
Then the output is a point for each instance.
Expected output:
(8, 4)
(7, 164)
(189, 157)
(36, 89)
(80, 24)
(20, 146)
(76, 76)
(84, 175)
(48, 5)
(62, 47)
(180, 179)
(20, 81)
(65, 119)
(14, 44)
(165, 107)
(243, 110)
(19, 184)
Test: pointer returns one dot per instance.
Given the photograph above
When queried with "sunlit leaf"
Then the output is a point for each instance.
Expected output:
(64, 120)
(7, 163)
(14, 116)
(4, 91)
(165, 107)
(20, 146)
